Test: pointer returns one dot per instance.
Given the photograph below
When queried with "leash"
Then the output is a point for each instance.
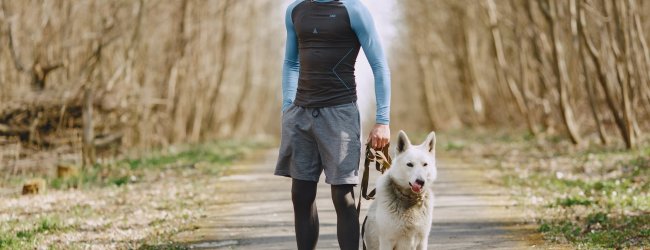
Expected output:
(382, 161)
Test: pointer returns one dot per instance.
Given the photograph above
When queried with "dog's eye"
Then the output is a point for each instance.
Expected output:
(425, 164)
(409, 164)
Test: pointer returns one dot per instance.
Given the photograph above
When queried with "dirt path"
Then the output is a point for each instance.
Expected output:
(253, 211)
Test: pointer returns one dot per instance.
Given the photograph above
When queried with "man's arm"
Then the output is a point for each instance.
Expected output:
(364, 27)
(291, 67)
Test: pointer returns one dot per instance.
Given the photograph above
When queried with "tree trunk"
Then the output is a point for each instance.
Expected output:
(502, 72)
(561, 74)
(603, 79)
(88, 148)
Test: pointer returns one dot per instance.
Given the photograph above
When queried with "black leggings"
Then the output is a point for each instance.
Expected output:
(303, 195)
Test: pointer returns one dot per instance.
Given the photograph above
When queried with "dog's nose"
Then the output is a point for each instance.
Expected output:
(419, 182)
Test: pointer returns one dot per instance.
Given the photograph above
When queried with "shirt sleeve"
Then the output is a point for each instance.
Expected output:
(363, 25)
(291, 66)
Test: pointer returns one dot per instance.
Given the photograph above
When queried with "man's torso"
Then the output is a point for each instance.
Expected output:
(328, 48)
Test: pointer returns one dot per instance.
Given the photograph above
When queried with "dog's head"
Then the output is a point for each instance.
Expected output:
(414, 166)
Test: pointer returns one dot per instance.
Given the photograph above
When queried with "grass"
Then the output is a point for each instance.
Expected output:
(600, 230)
(589, 197)
(114, 190)
(27, 238)
(572, 201)
(44, 226)
(210, 156)
(170, 246)
(610, 213)
(608, 208)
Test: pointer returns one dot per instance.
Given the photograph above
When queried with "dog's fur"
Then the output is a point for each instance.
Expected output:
(401, 215)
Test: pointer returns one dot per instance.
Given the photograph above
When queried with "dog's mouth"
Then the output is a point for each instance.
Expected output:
(417, 186)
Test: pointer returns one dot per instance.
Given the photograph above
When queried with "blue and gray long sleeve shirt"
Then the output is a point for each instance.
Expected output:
(323, 41)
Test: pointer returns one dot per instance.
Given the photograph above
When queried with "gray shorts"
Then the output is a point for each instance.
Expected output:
(317, 139)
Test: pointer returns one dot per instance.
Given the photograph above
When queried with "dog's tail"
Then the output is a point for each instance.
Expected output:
(363, 231)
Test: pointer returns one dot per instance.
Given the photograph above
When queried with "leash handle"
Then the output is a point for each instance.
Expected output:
(382, 163)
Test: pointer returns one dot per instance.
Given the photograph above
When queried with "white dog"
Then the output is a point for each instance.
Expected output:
(401, 215)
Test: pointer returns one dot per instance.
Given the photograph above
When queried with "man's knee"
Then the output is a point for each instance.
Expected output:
(303, 192)
(343, 196)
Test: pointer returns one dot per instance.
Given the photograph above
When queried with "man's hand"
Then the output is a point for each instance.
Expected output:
(379, 136)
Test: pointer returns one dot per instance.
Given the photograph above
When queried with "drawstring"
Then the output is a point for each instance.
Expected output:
(315, 113)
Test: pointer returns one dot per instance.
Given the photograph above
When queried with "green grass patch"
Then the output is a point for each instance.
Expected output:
(43, 226)
(216, 153)
(191, 156)
(601, 230)
(26, 238)
(589, 196)
(612, 211)
(8, 241)
(453, 146)
(119, 181)
(170, 246)
(572, 201)
(209, 158)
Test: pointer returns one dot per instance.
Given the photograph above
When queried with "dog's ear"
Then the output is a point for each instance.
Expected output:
(403, 142)
(430, 142)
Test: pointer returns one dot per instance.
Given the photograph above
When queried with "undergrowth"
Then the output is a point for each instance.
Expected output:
(129, 184)
(589, 196)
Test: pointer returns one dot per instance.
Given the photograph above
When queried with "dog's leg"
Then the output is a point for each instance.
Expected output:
(423, 241)
(423, 244)
(386, 244)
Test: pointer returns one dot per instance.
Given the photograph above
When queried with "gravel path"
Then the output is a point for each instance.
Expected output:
(253, 211)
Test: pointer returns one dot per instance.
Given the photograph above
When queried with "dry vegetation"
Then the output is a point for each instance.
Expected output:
(575, 68)
(118, 74)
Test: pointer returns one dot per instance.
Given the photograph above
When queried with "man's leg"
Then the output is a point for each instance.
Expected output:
(347, 219)
(303, 195)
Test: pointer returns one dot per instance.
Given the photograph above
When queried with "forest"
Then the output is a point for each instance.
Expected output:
(143, 105)
(136, 73)
(577, 69)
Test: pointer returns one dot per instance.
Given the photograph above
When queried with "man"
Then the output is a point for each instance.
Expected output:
(320, 117)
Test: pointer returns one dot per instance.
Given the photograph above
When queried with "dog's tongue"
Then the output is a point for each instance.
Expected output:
(416, 187)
